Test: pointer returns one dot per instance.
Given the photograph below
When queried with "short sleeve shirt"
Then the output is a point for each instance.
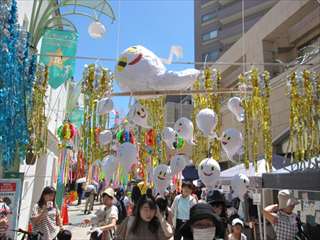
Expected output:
(110, 213)
(47, 226)
(286, 227)
(184, 205)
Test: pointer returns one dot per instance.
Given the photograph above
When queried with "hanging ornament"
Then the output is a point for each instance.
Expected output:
(207, 121)
(209, 172)
(104, 106)
(161, 178)
(184, 127)
(66, 131)
(127, 155)
(231, 141)
(178, 163)
(96, 29)
(125, 135)
(234, 105)
(109, 166)
(150, 138)
(138, 114)
(240, 184)
(105, 137)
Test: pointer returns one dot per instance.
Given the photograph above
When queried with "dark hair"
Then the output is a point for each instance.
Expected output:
(149, 192)
(187, 184)
(162, 203)
(47, 190)
(154, 224)
(136, 194)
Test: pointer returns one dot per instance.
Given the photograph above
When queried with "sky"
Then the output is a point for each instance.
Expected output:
(155, 24)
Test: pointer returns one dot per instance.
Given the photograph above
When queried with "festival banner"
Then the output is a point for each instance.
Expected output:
(61, 43)
(10, 192)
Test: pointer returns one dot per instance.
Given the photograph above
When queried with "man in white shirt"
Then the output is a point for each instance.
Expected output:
(181, 207)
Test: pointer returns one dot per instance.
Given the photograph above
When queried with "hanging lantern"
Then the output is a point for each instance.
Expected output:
(150, 138)
(96, 30)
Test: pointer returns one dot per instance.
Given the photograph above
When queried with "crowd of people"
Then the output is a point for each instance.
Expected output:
(127, 214)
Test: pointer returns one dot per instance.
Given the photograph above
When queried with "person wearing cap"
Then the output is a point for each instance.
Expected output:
(202, 225)
(236, 232)
(281, 216)
(218, 203)
(106, 225)
(181, 207)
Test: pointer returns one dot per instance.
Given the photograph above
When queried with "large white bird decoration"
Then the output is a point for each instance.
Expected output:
(139, 69)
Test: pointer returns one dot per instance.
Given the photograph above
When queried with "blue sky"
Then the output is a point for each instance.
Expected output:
(155, 24)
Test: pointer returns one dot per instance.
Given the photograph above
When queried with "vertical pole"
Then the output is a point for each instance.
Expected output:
(264, 220)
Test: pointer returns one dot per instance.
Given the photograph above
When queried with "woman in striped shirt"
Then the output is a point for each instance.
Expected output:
(45, 216)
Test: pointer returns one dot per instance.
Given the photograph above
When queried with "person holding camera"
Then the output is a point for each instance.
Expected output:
(45, 216)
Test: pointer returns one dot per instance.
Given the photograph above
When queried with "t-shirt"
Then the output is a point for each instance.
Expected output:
(109, 214)
(231, 237)
(48, 226)
(183, 207)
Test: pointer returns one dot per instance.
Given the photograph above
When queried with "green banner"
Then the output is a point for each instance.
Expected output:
(61, 43)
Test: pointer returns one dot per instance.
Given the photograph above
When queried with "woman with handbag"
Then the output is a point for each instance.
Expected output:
(45, 216)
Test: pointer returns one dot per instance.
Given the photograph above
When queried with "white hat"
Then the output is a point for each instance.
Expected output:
(237, 221)
(109, 192)
(286, 199)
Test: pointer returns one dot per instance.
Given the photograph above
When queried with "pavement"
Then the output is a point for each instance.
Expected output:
(76, 220)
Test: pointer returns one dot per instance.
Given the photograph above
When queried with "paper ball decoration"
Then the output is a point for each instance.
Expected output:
(105, 137)
(139, 69)
(178, 163)
(96, 29)
(240, 184)
(66, 131)
(234, 105)
(207, 121)
(109, 166)
(104, 106)
(127, 155)
(184, 127)
(231, 141)
(161, 178)
(209, 172)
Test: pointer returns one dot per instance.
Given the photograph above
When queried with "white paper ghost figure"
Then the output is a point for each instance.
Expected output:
(169, 136)
(240, 184)
(231, 141)
(109, 166)
(178, 163)
(207, 121)
(105, 137)
(184, 127)
(104, 106)
(138, 114)
(234, 105)
(127, 155)
(139, 69)
(162, 178)
(209, 172)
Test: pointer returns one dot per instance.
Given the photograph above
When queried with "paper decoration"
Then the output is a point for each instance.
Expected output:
(60, 43)
(139, 69)
(234, 105)
(184, 127)
(109, 166)
(207, 121)
(96, 29)
(105, 137)
(317, 205)
(104, 106)
(305, 196)
(240, 184)
(296, 194)
(127, 155)
(257, 199)
(138, 114)
(231, 141)
(161, 178)
(172, 139)
(178, 163)
(209, 172)
(317, 218)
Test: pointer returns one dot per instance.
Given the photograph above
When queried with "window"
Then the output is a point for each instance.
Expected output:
(211, 56)
(209, 36)
(207, 17)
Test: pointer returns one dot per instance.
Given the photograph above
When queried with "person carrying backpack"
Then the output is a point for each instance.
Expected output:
(121, 205)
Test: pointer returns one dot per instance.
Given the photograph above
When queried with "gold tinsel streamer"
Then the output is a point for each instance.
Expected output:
(212, 80)
(38, 122)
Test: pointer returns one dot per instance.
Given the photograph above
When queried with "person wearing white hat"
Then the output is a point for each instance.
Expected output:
(236, 232)
(281, 215)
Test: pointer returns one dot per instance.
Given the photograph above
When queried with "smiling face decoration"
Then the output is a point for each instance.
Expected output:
(234, 105)
(184, 127)
(162, 178)
(105, 137)
(139, 115)
(231, 141)
(139, 69)
(104, 106)
(240, 184)
(209, 172)
(207, 121)
(109, 166)
(178, 163)
(127, 155)
(169, 136)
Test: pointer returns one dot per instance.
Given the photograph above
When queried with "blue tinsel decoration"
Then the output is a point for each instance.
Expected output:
(17, 72)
